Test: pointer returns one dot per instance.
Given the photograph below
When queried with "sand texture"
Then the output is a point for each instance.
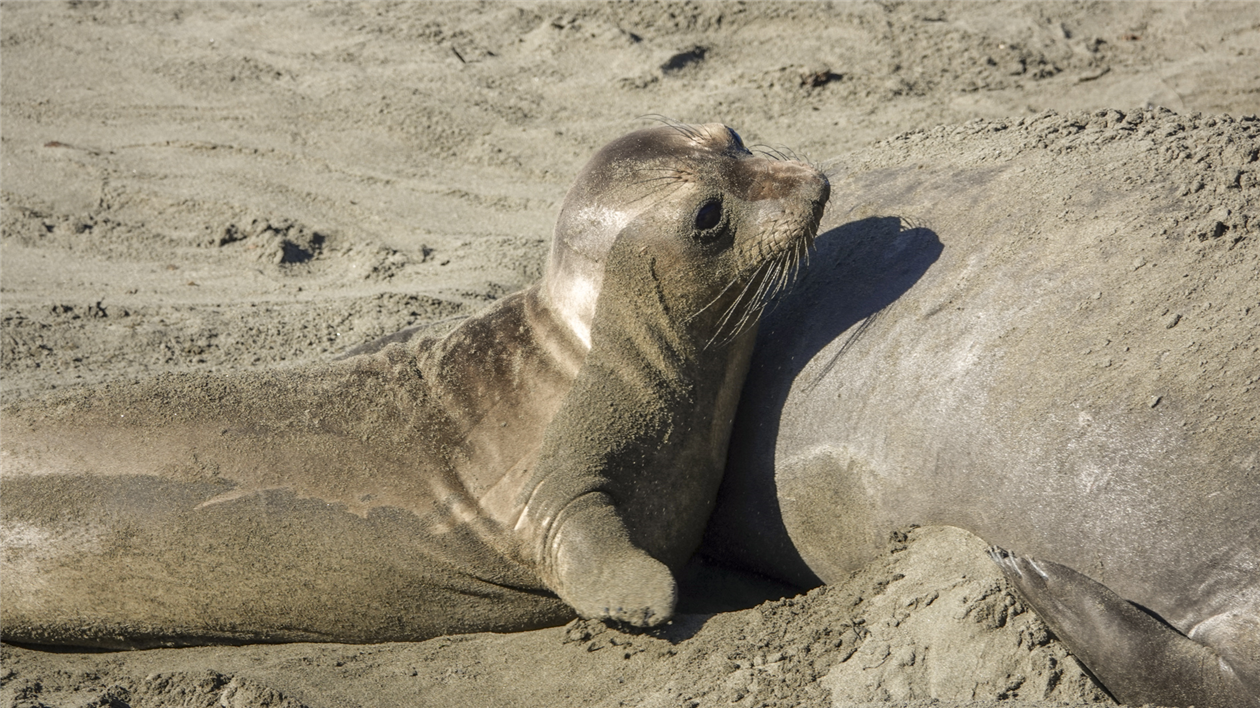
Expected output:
(220, 186)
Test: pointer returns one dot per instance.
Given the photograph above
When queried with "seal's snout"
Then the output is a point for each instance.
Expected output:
(791, 197)
(817, 189)
(785, 179)
(824, 193)
(802, 188)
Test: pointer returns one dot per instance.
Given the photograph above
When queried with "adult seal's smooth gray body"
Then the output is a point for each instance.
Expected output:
(1043, 352)
(568, 441)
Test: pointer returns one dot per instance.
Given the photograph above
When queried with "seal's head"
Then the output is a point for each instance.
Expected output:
(715, 213)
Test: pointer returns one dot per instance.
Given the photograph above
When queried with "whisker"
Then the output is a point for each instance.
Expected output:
(799, 259)
(791, 261)
(682, 128)
(669, 175)
(765, 284)
(750, 314)
(780, 277)
(726, 316)
(793, 256)
(783, 154)
(662, 178)
(711, 302)
(735, 307)
(658, 191)
(769, 151)
(776, 269)
(756, 302)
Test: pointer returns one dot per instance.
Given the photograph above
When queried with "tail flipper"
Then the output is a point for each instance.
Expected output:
(1138, 658)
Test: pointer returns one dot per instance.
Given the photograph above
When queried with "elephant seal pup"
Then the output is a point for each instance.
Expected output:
(1026, 349)
(454, 486)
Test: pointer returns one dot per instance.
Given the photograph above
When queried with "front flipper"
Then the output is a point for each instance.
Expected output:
(597, 570)
(1138, 658)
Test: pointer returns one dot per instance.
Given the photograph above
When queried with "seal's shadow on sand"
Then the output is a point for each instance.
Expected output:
(857, 271)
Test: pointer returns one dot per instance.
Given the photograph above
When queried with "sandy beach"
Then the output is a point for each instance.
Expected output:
(222, 186)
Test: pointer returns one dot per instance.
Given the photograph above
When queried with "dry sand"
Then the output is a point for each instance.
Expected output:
(222, 186)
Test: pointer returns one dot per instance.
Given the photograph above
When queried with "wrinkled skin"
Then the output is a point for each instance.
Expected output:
(999, 370)
(567, 441)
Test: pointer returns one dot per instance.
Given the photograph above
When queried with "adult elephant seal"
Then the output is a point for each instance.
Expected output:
(457, 485)
(1059, 352)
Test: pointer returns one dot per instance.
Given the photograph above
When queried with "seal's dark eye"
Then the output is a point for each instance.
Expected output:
(708, 216)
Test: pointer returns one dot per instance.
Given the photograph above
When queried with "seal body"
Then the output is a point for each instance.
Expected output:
(1028, 379)
(446, 486)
